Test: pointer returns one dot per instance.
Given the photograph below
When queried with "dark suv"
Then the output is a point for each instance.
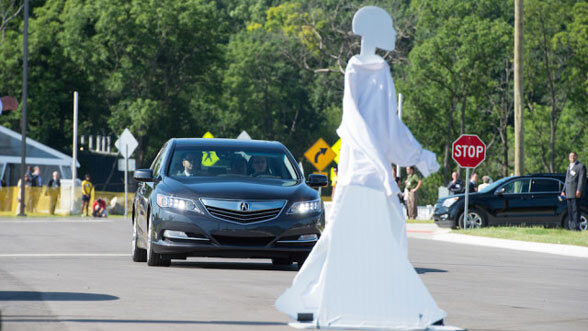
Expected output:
(518, 200)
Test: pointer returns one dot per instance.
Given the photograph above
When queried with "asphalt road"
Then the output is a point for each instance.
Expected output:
(77, 275)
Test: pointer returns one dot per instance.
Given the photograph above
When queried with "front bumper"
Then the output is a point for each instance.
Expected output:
(445, 217)
(211, 237)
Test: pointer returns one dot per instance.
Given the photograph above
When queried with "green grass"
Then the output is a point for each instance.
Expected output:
(533, 234)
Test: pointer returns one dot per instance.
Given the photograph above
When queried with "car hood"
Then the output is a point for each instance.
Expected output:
(247, 188)
(460, 196)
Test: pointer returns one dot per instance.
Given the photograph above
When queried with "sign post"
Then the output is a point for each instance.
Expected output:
(468, 151)
(126, 145)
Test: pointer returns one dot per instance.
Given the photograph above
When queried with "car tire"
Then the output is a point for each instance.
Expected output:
(138, 254)
(583, 226)
(478, 218)
(282, 261)
(154, 259)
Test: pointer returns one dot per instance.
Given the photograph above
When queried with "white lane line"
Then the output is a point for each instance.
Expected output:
(66, 255)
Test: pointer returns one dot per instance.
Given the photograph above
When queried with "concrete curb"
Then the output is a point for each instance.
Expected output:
(566, 250)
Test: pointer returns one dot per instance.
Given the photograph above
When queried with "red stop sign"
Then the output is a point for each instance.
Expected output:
(468, 151)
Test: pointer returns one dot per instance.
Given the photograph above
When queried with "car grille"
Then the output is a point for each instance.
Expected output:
(235, 210)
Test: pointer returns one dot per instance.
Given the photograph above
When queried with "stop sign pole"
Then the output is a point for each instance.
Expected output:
(468, 151)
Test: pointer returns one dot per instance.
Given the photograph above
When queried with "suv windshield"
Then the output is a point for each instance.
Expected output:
(230, 162)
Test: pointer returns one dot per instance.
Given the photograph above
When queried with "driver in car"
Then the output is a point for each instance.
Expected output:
(258, 165)
(191, 164)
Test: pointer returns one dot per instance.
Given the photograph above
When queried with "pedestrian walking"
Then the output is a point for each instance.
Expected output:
(87, 188)
(573, 190)
(413, 184)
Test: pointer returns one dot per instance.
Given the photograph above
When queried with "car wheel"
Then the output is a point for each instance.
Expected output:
(582, 226)
(281, 261)
(477, 219)
(154, 259)
(138, 254)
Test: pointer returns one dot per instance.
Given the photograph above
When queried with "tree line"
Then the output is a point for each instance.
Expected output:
(168, 68)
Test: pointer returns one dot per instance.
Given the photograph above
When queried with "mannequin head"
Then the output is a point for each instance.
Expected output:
(374, 25)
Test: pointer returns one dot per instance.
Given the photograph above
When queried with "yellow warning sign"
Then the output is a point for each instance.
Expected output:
(209, 158)
(320, 154)
(337, 149)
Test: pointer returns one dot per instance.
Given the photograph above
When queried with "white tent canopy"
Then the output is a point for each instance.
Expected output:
(46, 157)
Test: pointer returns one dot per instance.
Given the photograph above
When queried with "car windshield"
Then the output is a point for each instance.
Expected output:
(230, 163)
(494, 185)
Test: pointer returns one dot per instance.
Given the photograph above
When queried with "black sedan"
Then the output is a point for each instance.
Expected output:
(225, 198)
(519, 200)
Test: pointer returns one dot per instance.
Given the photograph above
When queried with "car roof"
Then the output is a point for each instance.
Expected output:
(222, 142)
(548, 175)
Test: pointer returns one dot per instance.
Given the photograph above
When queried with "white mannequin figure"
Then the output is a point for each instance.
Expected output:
(374, 25)
(358, 275)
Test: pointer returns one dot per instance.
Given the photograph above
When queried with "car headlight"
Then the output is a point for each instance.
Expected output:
(448, 202)
(304, 207)
(167, 201)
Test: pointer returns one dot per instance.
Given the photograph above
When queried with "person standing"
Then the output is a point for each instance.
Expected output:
(87, 188)
(455, 186)
(37, 184)
(399, 183)
(413, 183)
(333, 182)
(53, 190)
(573, 189)
(486, 181)
(473, 182)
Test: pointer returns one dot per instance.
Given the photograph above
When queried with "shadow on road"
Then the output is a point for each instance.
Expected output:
(233, 265)
(53, 296)
(421, 271)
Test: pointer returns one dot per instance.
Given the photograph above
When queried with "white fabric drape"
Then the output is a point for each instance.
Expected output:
(358, 275)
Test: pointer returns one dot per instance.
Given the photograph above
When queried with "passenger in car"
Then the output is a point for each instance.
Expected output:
(191, 164)
(258, 165)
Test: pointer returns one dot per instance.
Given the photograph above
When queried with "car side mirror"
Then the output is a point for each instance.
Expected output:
(316, 180)
(500, 191)
(144, 175)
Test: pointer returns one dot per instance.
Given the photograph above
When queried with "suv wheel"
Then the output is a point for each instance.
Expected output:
(583, 226)
(477, 219)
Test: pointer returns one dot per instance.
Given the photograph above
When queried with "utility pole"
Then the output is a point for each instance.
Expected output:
(25, 71)
(519, 128)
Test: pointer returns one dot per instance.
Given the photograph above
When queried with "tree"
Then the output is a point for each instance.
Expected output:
(545, 73)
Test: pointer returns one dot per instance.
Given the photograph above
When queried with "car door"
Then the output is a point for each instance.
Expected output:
(512, 203)
(544, 201)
